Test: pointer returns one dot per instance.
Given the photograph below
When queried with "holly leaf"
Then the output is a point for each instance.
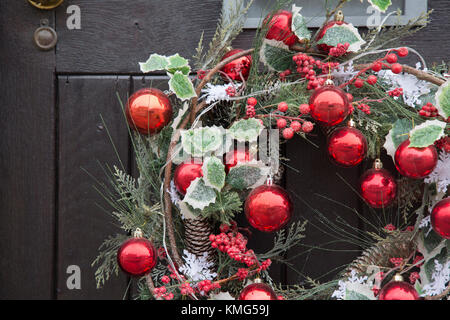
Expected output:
(381, 5)
(426, 133)
(342, 34)
(201, 141)
(178, 63)
(397, 135)
(430, 244)
(299, 26)
(156, 62)
(214, 173)
(199, 195)
(181, 85)
(358, 291)
(246, 130)
(276, 55)
(247, 175)
(443, 99)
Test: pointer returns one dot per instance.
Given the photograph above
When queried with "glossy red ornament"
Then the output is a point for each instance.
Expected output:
(137, 256)
(184, 174)
(338, 20)
(235, 68)
(347, 146)
(440, 218)
(148, 111)
(279, 27)
(398, 290)
(415, 163)
(258, 291)
(233, 157)
(329, 105)
(378, 188)
(268, 208)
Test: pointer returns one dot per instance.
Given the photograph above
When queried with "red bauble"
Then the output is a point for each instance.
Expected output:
(268, 208)
(184, 174)
(347, 146)
(440, 218)
(329, 105)
(148, 111)
(338, 20)
(280, 27)
(258, 291)
(398, 290)
(415, 163)
(236, 156)
(378, 188)
(137, 256)
(235, 68)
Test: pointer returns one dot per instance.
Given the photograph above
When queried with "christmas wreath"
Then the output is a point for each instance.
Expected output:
(207, 150)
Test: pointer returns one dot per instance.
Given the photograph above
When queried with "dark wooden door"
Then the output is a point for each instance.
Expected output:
(54, 108)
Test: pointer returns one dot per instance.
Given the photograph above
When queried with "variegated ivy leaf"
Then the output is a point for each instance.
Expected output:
(199, 195)
(247, 175)
(154, 63)
(276, 55)
(246, 130)
(299, 26)
(178, 63)
(214, 173)
(426, 133)
(381, 5)
(443, 99)
(358, 291)
(342, 34)
(397, 135)
(201, 141)
(430, 244)
(181, 85)
(429, 266)
(186, 212)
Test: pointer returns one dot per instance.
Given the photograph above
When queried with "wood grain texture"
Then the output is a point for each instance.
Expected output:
(117, 34)
(27, 166)
(84, 146)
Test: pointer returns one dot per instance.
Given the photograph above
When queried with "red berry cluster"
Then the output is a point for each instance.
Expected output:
(339, 50)
(295, 125)
(429, 110)
(242, 273)
(250, 108)
(390, 227)
(364, 108)
(265, 265)
(284, 74)
(396, 92)
(413, 277)
(206, 286)
(201, 74)
(231, 91)
(165, 279)
(161, 292)
(443, 144)
(235, 245)
(418, 258)
(186, 289)
(305, 67)
(396, 261)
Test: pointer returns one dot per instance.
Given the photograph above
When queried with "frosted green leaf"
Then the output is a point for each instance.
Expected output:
(246, 130)
(358, 291)
(299, 26)
(178, 63)
(154, 63)
(426, 134)
(181, 85)
(397, 135)
(200, 141)
(380, 5)
(214, 173)
(199, 195)
(276, 55)
(247, 175)
(443, 100)
(342, 34)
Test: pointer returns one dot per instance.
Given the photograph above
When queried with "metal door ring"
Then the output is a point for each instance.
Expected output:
(45, 38)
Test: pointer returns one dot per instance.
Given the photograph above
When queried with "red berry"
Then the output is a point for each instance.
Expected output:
(358, 83)
(391, 58)
(304, 108)
(403, 52)
(307, 126)
(396, 68)
(288, 133)
(377, 67)
(296, 126)
(252, 101)
(282, 106)
(281, 123)
(349, 97)
(372, 79)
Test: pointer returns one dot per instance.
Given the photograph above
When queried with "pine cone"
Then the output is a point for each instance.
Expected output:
(196, 237)
(398, 245)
